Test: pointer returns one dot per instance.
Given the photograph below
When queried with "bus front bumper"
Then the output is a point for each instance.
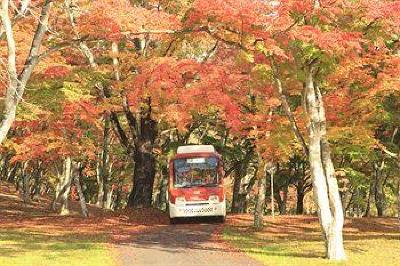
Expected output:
(195, 209)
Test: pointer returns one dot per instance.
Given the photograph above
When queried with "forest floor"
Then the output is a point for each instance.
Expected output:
(31, 234)
(296, 240)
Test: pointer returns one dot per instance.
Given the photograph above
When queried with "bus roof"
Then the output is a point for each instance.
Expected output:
(196, 149)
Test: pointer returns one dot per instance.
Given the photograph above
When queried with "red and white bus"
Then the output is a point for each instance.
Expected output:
(196, 183)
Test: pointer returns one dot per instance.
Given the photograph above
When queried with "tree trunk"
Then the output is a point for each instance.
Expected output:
(162, 196)
(282, 201)
(236, 191)
(326, 191)
(300, 200)
(144, 173)
(13, 172)
(260, 201)
(59, 187)
(379, 189)
(37, 176)
(108, 200)
(398, 200)
(144, 159)
(105, 163)
(66, 186)
(82, 200)
(5, 167)
(370, 195)
(25, 182)
(17, 83)
(99, 178)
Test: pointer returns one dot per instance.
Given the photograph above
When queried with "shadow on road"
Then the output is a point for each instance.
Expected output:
(194, 241)
(198, 220)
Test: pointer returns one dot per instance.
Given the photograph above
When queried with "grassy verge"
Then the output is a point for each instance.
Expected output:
(296, 241)
(23, 247)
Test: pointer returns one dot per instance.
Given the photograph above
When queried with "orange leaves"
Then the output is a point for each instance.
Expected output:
(100, 26)
(240, 15)
(54, 72)
(81, 110)
(338, 106)
(331, 42)
(387, 11)
(180, 87)
(111, 19)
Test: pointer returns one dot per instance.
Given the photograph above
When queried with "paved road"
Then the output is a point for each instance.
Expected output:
(182, 244)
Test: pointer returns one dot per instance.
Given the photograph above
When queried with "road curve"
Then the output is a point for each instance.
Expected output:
(182, 244)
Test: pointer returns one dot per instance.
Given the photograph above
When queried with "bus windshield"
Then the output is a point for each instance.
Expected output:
(200, 171)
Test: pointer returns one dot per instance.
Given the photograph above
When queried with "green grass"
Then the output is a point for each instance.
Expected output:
(360, 249)
(19, 247)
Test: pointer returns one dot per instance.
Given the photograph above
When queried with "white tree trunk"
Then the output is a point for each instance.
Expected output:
(66, 186)
(100, 191)
(11, 93)
(17, 83)
(326, 192)
(260, 203)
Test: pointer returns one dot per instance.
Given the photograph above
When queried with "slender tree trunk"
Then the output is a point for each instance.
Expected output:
(106, 169)
(370, 195)
(59, 187)
(100, 191)
(66, 187)
(13, 172)
(326, 192)
(398, 200)
(37, 176)
(105, 163)
(25, 181)
(5, 167)
(379, 189)
(17, 83)
(282, 201)
(11, 99)
(118, 197)
(108, 200)
(162, 196)
(260, 201)
(82, 200)
(300, 198)
(349, 203)
(236, 190)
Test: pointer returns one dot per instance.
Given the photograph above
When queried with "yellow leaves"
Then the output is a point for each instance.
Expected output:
(28, 111)
(246, 57)
(355, 135)
(75, 92)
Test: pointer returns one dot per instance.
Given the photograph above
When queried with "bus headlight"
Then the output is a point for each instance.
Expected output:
(213, 199)
(180, 201)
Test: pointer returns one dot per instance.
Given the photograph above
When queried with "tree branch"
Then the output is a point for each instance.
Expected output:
(124, 140)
